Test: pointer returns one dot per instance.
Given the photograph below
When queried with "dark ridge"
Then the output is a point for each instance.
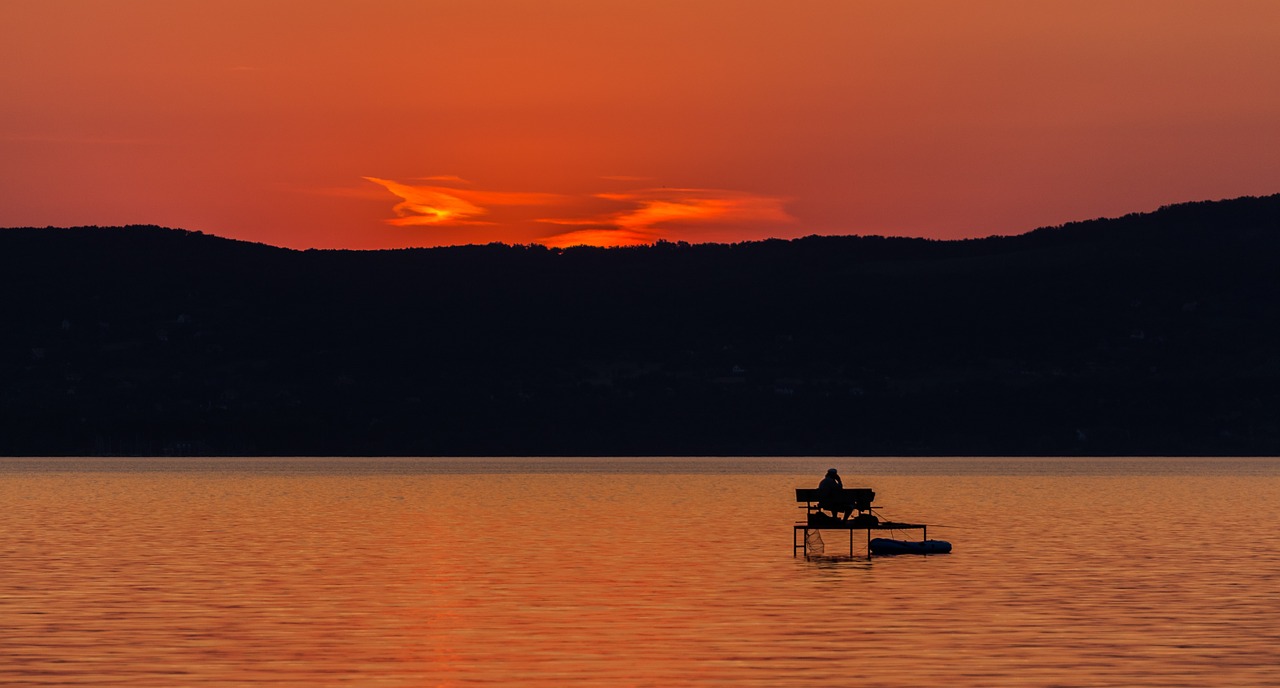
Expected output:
(1149, 334)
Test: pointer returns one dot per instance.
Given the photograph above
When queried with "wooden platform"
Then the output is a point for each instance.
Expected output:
(800, 533)
(857, 500)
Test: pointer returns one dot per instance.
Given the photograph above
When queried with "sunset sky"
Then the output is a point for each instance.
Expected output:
(331, 123)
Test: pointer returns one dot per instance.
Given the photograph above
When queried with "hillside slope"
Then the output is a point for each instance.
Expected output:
(1148, 334)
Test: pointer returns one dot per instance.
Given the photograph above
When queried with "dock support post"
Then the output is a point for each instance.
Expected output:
(796, 547)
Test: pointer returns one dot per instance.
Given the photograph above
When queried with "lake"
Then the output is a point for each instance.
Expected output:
(634, 572)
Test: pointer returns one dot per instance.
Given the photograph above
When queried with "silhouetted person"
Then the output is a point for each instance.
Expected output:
(831, 496)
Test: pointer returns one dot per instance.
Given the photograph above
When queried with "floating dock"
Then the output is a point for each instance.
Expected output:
(859, 499)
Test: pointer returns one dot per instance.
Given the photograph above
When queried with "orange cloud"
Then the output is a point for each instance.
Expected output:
(652, 208)
(629, 218)
(442, 205)
(427, 205)
(657, 206)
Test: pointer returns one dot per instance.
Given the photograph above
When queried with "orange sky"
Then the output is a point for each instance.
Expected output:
(329, 123)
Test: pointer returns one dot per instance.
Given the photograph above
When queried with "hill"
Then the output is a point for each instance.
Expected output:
(1153, 333)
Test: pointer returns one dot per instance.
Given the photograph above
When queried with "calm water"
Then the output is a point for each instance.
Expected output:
(419, 572)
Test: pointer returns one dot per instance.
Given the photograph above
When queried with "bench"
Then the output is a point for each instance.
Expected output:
(857, 497)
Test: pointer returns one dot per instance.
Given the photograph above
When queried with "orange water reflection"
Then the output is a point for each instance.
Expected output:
(420, 572)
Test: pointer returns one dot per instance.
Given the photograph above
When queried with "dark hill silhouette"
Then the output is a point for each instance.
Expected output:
(1154, 333)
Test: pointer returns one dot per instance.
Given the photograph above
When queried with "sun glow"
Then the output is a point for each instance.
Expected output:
(604, 238)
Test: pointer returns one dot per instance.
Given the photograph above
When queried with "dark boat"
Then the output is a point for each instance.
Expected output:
(891, 546)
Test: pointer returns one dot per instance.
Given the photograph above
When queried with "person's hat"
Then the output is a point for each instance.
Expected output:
(830, 471)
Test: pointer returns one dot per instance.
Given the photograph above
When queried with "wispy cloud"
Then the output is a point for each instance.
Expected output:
(652, 209)
(658, 206)
(425, 205)
(443, 205)
(627, 218)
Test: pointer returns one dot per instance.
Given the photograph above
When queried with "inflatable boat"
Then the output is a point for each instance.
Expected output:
(890, 546)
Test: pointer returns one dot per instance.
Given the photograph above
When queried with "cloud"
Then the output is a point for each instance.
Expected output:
(443, 205)
(629, 218)
(658, 206)
(653, 209)
(426, 205)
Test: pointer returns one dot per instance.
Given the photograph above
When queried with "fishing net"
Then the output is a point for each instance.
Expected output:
(813, 543)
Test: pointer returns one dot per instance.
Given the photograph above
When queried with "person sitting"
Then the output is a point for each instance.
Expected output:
(831, 496)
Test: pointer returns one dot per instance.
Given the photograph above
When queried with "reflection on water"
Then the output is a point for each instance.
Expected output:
(399, 572)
